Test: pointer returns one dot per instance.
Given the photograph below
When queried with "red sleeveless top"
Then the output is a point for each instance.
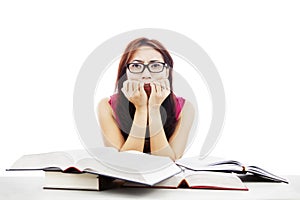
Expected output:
(179, 105)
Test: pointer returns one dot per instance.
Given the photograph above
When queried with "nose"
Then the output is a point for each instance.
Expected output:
(146, 74)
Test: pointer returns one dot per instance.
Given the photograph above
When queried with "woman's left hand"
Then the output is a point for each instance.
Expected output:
(160, 90)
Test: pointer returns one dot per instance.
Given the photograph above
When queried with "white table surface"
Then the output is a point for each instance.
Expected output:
(31, 188)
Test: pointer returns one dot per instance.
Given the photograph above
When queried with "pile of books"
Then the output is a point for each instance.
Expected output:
(78, 170)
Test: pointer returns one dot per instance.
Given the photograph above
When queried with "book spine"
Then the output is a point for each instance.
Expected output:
(105, 183)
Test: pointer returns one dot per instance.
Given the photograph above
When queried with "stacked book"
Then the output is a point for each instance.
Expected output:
(78, 170)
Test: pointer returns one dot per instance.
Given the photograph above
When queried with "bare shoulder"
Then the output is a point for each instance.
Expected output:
(188, 108)
(104, 105)
(188, 105)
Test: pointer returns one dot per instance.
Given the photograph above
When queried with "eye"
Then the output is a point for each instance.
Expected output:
(156, 65)
(135, 65)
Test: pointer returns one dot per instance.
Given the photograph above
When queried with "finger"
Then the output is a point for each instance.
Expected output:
(167, 83)
(141, 88)
(129, 87)
(153, 89)
(135, 87)
(140, 85)
(158, 88)
(165, 88)
(163, 85)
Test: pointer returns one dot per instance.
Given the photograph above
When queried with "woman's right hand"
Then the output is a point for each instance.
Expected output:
(135, 93)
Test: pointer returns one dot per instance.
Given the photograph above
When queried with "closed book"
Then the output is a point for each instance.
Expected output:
(76, 181)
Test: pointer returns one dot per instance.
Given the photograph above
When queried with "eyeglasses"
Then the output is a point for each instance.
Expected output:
(155, 67)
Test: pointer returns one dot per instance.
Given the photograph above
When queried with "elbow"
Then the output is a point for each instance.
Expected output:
(177, 157)
(173, 157)
(166, 153)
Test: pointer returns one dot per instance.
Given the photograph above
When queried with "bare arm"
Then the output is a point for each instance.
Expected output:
(110, 131)
(158, 142)
(180, 136)
(135, 93)
(112, 134)
(174, 148)
(136, 137)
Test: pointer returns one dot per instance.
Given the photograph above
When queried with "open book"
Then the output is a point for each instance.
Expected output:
(223, 165)
(199, 180)
(136, 167)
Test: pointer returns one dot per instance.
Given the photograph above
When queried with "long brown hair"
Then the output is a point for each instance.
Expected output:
(124, 109)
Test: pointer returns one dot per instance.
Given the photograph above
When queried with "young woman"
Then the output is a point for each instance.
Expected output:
(144, 114)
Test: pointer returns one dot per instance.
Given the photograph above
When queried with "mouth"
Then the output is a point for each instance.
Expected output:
(147, 89)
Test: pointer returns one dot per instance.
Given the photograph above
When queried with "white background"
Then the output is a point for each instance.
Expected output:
(255, 46)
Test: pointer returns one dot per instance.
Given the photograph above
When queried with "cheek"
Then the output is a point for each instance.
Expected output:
(131, 76)
(159, 76)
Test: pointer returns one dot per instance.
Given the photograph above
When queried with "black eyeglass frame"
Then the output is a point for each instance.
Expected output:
(165, 65)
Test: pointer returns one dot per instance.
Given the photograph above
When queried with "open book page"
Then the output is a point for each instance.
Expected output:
(201, 162)
(210, 164)
(221, 164)
(131, 161)
(133, 166)
(137, 167)
(59, 159)
(265, 174)
(172, 182)
(199, 180)
(213, 180)
(109, 156)
(148, 178)
(78, 154)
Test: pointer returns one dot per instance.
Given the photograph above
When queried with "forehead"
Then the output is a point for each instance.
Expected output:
(146, 53)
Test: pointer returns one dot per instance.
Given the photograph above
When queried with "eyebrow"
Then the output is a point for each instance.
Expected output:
(141, 61)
